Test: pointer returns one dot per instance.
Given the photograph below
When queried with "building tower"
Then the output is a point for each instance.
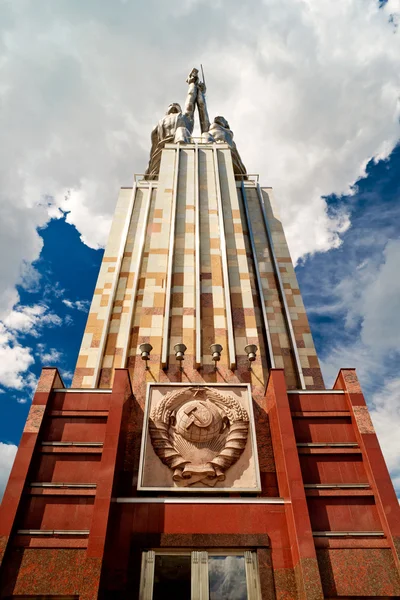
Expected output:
(197, 453)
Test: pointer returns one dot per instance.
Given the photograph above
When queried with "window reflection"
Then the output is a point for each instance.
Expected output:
(172, 577)
(227, 578)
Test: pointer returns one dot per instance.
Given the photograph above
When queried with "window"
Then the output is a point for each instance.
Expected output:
(199, 575)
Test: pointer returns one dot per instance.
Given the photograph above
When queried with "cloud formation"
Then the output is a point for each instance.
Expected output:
(16, 357)
(15, 360)
(7, 455)
(81, 305)
(385, 415)
(31, 319)
(369, 301)
(310, 88)
(48, 357)
(309, 98)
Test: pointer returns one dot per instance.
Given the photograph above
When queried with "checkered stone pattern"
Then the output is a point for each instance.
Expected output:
(117, 334)
(281, 345)
(280, 340)
(182, 314)
(241, 276)
(213, 314)
(149, 317)
(253, 315)
(298, 316)
(114, 330)
(102, 297)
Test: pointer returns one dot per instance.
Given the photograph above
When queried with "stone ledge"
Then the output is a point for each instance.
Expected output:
(201, 540)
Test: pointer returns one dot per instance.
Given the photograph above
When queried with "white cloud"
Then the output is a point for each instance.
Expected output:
(381, 302)
(370, 303)
(385, 414)
(82, 305)
(15, 360)
(67, 377)
(30, 319)
(7, 455)
(68, 320)
(310, 88)
(309, 97)
(48, 357)
(369, 300)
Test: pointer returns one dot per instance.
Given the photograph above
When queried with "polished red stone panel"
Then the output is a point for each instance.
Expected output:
(108, 557)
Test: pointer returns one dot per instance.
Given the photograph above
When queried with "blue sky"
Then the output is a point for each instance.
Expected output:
(66, 276)
(315, 110)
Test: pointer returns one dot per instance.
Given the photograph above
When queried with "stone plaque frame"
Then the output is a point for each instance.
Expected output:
(156, 476)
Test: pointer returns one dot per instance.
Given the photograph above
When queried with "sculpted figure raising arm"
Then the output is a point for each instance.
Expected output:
(202, 106)
(175, 127)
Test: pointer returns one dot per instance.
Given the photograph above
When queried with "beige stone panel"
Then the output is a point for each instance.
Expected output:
(106, 277)
(308, 341)
(91, 357)
(82, 361)
(154, 266)
(219, 321)
(86, 381)
(287, 270)
(311, 351)
(108, 362)
(212, 298)
(251, 332)
(304, 362)
(184, 260)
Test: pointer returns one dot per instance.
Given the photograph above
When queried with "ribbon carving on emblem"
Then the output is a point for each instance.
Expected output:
(199, 433)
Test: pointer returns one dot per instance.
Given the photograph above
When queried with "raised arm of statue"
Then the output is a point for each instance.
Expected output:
(202, 106)
(190, 103)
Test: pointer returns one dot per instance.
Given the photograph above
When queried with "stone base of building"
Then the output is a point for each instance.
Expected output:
(325, 525)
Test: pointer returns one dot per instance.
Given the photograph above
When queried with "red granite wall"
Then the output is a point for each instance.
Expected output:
(322, 542)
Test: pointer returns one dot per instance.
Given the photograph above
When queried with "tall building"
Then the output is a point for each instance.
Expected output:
(197, 453)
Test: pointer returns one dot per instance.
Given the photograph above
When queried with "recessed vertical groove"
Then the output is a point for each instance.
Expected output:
(282, 292)
(104, 333)
(225, 272)
(142, 241)
(197, 257)
(171, 248)
(258, 279)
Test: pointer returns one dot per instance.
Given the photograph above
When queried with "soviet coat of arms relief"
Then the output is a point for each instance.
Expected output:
(199, 437)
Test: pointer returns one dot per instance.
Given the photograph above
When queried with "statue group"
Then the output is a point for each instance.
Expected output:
(177, 127)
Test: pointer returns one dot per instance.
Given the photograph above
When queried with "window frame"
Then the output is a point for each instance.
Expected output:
(199, 570)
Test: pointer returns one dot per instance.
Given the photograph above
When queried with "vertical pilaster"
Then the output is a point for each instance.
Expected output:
(110, 465)
(213, 317)
(49, 379)
(149, 313)
(304, 358)
(267, 333)
(291, 487)
(197, 258)
(224, 259)
(171, 249)
(378, 475)
(183, 296)
(135, 270)
(94, 340)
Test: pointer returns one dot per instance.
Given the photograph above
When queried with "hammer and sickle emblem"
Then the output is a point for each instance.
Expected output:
(199, 415)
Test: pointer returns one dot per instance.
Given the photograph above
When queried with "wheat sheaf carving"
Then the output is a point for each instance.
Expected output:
(221, 412)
